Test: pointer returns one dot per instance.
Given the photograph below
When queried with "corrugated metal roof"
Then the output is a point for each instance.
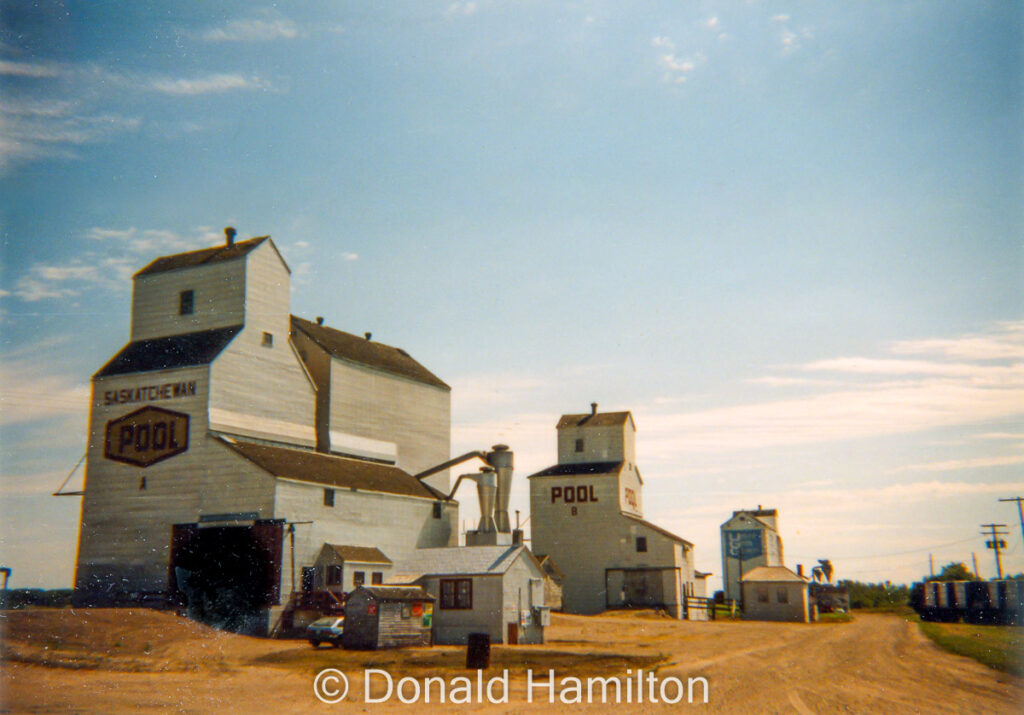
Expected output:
(655, 527)
(215, 254)
(581, 469)
(773, 573)
(360, 554)
(601, 419)
(456, 560)
(342, 472)
(186, 350)
(398, 593)
(367, 352)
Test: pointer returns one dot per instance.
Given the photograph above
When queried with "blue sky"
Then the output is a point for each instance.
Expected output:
(787, 236)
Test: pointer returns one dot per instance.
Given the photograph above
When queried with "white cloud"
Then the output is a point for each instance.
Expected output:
(780, 18)
(464, 9)
(210, 84)
(662, 41)
(712, 23)
(108, 264)
(773, 381)
(955, 465)
(31, 394)
(1005, 341)
(349, 256)
(253, 30)
(35, 70)
(32, 129)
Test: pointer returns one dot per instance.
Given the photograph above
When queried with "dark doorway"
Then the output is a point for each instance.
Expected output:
(225, 576)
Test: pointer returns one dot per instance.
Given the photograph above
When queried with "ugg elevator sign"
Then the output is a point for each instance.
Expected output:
(146, 436)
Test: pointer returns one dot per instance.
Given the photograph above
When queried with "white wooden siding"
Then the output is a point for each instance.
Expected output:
(126, 531)
(397, 525)
(219, 300)
(370, 403)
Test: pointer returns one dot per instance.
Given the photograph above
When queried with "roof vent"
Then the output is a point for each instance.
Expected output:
(229, 234)
(593, 408)
(368, 336)
(319, 320)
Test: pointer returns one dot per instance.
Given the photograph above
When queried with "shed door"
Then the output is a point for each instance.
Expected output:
(513, 634)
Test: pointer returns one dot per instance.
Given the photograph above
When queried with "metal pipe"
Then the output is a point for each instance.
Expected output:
(451, 463)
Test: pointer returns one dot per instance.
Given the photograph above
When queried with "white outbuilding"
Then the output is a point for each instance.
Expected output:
(497, 590)
(774, 593)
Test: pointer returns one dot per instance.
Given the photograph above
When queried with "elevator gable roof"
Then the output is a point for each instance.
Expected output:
(174, 351)
(367, 352)
(341, 472)
(583, 469)
(203, 256)
(600, 419)
(654, 527)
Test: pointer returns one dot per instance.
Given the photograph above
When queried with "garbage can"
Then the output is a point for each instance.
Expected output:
(478, 651)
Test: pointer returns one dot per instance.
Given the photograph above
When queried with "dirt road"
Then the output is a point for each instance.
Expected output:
(121, 661)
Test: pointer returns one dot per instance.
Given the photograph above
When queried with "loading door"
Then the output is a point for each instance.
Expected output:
(226, 575)
(643, 589)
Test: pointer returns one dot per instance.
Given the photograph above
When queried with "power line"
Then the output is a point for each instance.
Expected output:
(902, 553)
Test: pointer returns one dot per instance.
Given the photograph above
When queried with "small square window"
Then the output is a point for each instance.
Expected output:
(782, 595)
(268, 340)
(437, 510)
(377, 578)
(186, 302)
(328, 497)
(579, 445)
(358, 579)
(641, 544)
(762, 594)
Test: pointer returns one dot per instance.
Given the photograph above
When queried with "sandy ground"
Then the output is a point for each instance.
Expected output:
(117, 661)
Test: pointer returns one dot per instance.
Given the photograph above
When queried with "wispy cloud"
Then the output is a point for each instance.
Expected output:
(956, 465)
(12, 68)
(463, 9)
(677, 68)
(32, 129)
(349, 256)
(209, 84)
(253, 30)
(107, 260)
(31, 394)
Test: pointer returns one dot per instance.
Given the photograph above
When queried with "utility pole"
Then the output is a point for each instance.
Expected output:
(974, 558)
(996, 544)
(1020, 512)
(931, 566)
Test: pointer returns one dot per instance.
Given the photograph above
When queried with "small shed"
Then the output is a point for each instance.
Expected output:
(775, 593)
(387, 617)
(498, 590)
(340, 568)
(700, 584)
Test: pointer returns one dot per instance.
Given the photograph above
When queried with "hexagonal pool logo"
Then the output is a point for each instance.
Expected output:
(146, 436)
